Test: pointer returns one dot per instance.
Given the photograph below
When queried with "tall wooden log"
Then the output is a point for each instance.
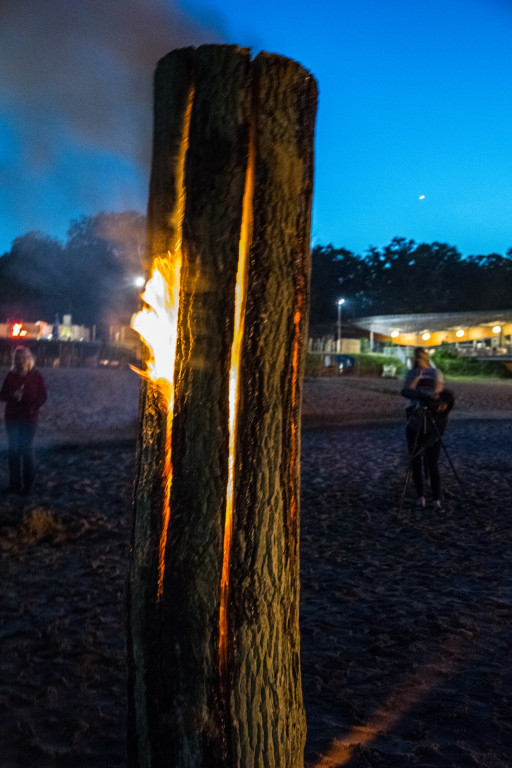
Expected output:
(213, 636)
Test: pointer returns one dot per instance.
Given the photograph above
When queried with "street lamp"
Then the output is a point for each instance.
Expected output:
(340, 303)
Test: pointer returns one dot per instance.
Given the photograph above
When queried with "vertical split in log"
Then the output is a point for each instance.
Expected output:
(213, 642)
(234, 398)
(158, 326)
(175, 284)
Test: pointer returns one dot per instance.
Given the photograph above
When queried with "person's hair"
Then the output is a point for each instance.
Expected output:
(25, 351)
(421, 354)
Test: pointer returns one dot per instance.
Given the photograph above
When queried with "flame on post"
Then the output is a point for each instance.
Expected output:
(234, 387)
(158, 325)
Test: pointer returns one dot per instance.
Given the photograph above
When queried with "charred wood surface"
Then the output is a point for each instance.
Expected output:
(190, 704)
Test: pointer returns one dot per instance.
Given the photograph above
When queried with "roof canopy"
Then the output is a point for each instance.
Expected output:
(438, 327)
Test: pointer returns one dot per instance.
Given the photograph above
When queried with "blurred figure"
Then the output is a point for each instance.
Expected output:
(24, 392)
(427, 415)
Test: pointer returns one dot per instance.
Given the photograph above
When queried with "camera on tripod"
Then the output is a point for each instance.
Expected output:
(434, 405)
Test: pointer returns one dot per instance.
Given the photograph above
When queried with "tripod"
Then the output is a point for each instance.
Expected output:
(419, 448)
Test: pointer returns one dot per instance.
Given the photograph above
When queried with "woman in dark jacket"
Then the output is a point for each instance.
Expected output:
(24, 393)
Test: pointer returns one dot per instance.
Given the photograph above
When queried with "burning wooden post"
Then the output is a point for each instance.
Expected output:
(214, 667)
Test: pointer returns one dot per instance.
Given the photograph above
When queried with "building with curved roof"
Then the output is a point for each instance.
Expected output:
(473, 330)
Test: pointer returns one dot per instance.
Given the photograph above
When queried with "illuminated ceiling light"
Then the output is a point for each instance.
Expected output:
(394, 335)
(460, 333)
(426, 336)
(496, 329)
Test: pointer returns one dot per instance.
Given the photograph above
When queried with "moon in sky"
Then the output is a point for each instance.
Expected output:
(421, 197)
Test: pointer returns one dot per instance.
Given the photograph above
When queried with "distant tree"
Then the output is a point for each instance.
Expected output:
(338, 273)
(103, 255)
(434, 272)
(391, 271)
(327, 272)
(492, 280)
(30, 277)
(405, 277)
(90, 277)
(126, 235)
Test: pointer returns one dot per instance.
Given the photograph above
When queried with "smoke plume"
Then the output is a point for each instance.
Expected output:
(76, 103)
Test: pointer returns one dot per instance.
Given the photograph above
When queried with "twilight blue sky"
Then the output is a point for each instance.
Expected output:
(415, 100)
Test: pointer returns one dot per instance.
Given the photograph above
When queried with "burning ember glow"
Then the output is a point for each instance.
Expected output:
(158, 325)
(234, 385)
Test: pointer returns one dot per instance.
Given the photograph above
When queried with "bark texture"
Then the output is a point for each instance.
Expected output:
(190, 703)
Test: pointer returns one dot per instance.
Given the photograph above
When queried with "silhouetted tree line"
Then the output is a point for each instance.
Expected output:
(90, 276)
(406, 277)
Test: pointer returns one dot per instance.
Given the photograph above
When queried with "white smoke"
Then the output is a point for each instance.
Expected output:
(76, 96)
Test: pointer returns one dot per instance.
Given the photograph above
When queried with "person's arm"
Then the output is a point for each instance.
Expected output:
(439, 382)
(409, 390)
(36, 394)
(7, 390)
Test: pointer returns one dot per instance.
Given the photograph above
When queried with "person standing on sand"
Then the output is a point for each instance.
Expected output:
(24, 392)
(423, 386)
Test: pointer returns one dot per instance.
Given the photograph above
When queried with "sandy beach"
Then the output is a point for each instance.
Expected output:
(405, 618)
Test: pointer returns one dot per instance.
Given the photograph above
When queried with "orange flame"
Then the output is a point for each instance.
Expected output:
(158, 326)
(234, 387)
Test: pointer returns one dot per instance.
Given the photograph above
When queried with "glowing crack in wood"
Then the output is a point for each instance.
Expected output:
(234, 386)
(158, 326)
(297, 338)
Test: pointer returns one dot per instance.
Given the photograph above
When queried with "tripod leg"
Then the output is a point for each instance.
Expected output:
(414, 454)
(443, 446)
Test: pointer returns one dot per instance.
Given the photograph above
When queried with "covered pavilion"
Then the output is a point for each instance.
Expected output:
(485, 330)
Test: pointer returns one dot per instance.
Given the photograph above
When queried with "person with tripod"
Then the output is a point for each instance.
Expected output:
(427, 415)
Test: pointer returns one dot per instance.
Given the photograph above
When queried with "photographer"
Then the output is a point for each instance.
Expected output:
(427, 415)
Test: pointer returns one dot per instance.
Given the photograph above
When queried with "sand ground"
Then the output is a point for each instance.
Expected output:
(405, 619)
